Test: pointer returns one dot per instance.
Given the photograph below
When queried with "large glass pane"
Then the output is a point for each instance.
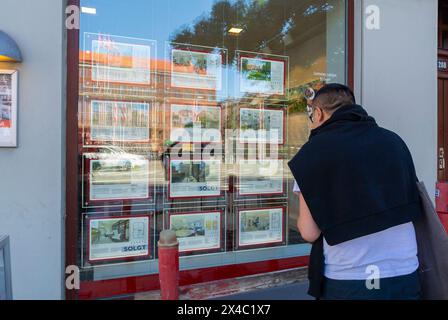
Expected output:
(188, 114)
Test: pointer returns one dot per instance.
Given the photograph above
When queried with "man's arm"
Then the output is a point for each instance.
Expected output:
(305, 222)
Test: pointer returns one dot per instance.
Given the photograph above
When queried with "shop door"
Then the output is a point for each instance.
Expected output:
(442, 127)
(442, 66)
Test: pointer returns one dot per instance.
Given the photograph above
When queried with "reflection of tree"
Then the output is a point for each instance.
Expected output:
(209, 120)
(269, 25)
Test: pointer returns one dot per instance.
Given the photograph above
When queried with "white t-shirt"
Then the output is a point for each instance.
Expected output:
(393, 252)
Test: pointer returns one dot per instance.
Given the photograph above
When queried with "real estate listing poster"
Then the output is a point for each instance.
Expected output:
(196, 69)
(197, 231)
(261, 226)
(117, 238)
(189, 178)
(118, 121)
(262, 76)
(198, 124)
(115, 61)
(262, 126)
(250, 125)
(119, 179)
(273, 125)
(261, 177)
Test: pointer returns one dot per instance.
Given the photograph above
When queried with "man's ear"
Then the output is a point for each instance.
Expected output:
(320, 116)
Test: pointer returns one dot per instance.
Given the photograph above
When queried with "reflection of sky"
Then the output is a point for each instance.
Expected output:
(147, 19)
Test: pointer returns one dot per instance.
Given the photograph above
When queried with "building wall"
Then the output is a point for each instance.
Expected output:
(31, 176)
(396, 75)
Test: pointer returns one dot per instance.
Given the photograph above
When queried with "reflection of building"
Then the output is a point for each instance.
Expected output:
(154, 93)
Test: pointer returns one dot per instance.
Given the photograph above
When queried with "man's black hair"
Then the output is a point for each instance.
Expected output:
(334, 96)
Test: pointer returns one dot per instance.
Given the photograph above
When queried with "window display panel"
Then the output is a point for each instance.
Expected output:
(260, 227)
(198, 232)
(262, 74)
(262, 125)
(119, 177)
(191, 179)
(195, 123)
(117, 122)
(118, 59)
(196, 67)
(185, 120)
(117, 238)
(261, 178)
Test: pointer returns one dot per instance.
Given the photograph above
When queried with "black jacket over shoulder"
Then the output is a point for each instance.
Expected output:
(357, 179)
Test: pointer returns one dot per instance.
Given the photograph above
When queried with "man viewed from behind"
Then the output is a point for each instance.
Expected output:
(358, 197)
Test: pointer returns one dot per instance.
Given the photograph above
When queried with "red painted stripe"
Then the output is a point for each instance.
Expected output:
(128, 286)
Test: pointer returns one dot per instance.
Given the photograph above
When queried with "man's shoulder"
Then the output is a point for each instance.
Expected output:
(392, 136)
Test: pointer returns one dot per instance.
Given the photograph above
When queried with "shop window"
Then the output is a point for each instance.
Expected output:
(188, 114)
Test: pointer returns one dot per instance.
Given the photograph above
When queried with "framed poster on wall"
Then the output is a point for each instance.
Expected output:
(260, 227)
(196, 67)
(110, 178)
(118, 238)
(262, 125)
(195, 123)
(262, 74)
(197, 231)
(194, 179)
(8, 108)
(117, 121)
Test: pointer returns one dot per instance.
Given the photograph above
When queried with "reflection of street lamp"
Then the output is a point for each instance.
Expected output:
(88, 10)
(235, 31)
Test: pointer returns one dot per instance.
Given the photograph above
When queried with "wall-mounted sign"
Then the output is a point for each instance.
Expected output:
(8, 108)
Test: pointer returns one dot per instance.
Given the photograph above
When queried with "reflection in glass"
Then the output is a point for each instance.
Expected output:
(164, 82)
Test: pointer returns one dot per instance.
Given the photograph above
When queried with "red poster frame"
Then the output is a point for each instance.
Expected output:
(199, 103)
(221, 230)
(261, 109)
(124, 259)
(262, 195)
(87, 202)
(170, 198)
(269, 57)
(264, 244)
(170, 64)
(89, 143)
(152, 84)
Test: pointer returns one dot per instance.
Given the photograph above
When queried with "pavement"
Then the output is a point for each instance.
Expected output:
(295, 291)
(282, 285)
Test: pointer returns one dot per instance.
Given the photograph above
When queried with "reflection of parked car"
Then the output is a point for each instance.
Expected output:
(117, 153)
